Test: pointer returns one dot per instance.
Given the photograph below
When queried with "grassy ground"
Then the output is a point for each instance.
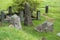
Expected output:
(28, 32)
(4, 4)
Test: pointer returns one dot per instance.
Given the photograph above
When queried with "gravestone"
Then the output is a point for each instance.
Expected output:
(21, 16)
(45, 27)
(10, 10)
(8, 19)
(27, 19)
(2, 16)
(46, 9)
(15, 21)
(38, 15)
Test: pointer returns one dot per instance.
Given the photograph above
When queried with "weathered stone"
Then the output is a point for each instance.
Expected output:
(45, 27)
(50, 26)
(8, 19)
(21, 16)
(16, 21)
(2, 16)
(28, 19)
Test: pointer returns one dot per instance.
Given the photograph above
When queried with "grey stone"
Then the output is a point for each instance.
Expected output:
(45, 27)
(16, 21)
(2, 16)
(21, 16)
(27, 19)
(8, 19)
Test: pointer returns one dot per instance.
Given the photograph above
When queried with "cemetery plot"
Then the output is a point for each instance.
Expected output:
(30, 32)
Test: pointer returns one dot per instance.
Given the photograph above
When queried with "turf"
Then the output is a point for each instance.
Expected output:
(4, 4)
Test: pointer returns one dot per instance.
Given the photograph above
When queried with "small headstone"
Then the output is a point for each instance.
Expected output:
(45, 27)
(21, 16)
(38, 15)
(46, 9)
(16, 21)
(27, 19)
(2, 16)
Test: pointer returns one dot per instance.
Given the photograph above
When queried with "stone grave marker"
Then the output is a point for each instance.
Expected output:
(16, 21)
(27, 18)
(10, 10)
(2, 16)
(50, 26)
(45, 27)
(38, 15)
(21, 16)
(46, 9)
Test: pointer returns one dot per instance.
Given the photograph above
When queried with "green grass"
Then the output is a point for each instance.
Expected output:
(4, 4)
(28, 32)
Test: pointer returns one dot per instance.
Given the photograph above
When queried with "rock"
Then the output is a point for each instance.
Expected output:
(16, 21)
(8, 19)
(58, 34)
(27, 17)
(45, 27)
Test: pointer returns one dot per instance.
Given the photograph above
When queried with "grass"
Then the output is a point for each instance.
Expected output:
(28, 32)
(4, 4)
